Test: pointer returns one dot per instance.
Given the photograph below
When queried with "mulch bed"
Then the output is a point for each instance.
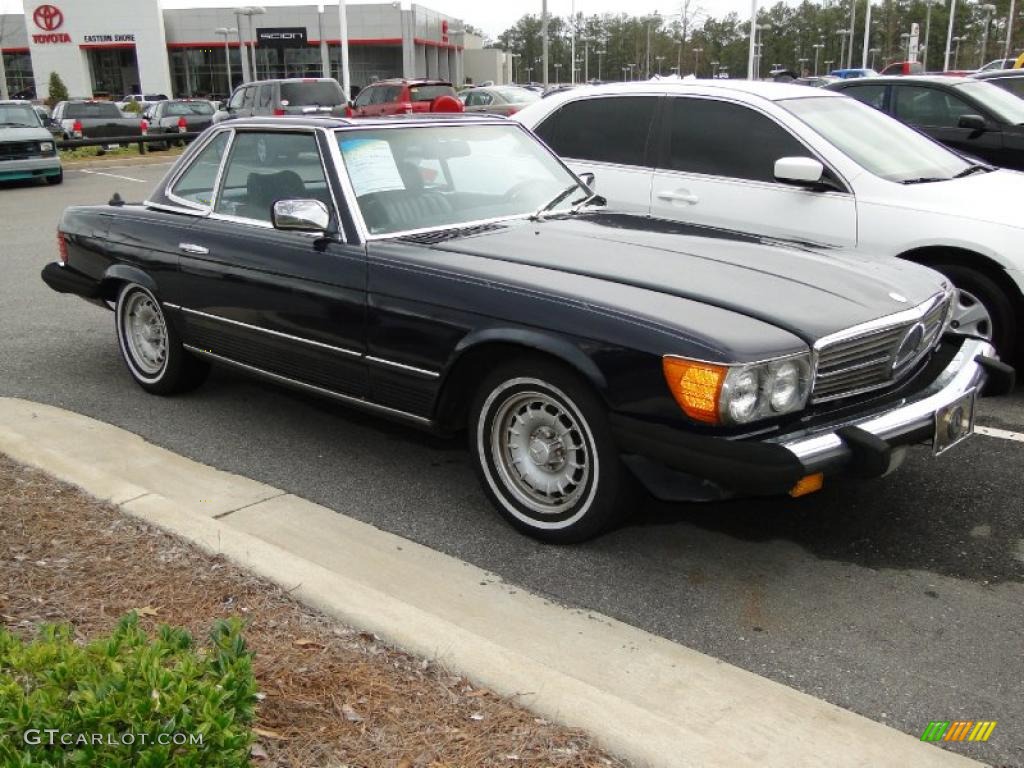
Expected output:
(331, 695)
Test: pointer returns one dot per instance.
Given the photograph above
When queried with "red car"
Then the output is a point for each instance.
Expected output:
(904, 68)
(403, 97)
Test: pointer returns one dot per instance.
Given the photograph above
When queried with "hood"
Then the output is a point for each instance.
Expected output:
(993, 198)
(810, 293)
(24, 134)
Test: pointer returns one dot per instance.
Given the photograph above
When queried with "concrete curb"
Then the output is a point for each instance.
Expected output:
(649, 700)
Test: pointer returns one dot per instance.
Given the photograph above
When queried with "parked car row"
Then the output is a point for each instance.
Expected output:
(721, 317)
(27, 150)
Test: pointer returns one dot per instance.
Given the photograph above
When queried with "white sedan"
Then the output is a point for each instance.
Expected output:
(795, 163)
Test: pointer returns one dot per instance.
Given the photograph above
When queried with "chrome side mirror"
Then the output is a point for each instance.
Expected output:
(300, 215)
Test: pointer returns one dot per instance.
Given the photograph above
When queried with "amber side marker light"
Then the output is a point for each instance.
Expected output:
(696, 386)
(807, 484)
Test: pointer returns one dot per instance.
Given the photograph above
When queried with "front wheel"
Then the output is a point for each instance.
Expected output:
(150, 346)
(983, 309)
(544, 451)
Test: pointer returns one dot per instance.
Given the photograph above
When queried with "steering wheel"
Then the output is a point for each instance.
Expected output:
(518, 192)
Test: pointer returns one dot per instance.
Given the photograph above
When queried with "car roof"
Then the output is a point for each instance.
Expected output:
(409, 81)
(290, 80)
(934, 79)
(996, 74)
(390, 121)
(15, 102)
(766, 90)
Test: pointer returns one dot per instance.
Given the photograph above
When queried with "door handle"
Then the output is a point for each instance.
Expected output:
(681, 197)
(198, 250)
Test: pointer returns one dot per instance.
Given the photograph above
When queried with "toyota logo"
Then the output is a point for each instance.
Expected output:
(48, 17)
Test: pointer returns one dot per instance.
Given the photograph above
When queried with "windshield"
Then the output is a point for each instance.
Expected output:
(183, 108)
(1003, 104)
(18, 116)
(518, 95)
(880, 144)
(436, 177)
(321, 93)
(93, 109)
(429, 92)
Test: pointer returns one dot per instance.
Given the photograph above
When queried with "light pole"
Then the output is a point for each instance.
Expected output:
(714, 69)
(696, 61)
(802, 61)
(905, 45)
(558, 77)
(529, 74)
(867, 36)
(243, 51)
(817, 53)
(949, 36)
(927, 29)
(828, 64)
(659, 59)
(624, 71)
(988, 8)
(600, 53)
(249, 11)
(842, 44)
(956, 55)
(226, 31)
(1009, 31)
(753, 40)
(873, 52)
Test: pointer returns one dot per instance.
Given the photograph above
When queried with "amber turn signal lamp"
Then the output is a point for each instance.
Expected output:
(695, 386)
(807, 484)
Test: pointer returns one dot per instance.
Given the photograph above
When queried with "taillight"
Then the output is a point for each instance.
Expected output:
(62, 248)
(278, 111)
(511, 110)
(182, 124)
(405, 107)
(144, 126)
(76, 129)
(349, 112)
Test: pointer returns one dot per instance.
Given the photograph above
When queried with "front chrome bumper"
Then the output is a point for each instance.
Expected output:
(824, 448)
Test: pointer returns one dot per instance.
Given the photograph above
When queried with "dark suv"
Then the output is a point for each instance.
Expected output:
(293, 96)
(403, 97)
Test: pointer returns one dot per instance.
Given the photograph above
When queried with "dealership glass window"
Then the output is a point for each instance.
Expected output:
(929, 106)
(196, 184)
(264, 167)
(609, 130)
(20, 82)
(722, 139)
(201, 72)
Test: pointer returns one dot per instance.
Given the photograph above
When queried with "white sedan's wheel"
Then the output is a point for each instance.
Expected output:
(545, 454)
(970, 316)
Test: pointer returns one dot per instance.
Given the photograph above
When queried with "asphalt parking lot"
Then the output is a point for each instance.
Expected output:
(901, 599)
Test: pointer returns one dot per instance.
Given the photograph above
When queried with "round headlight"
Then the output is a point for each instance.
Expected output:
(46, 146)
(786, 387)
(743, 389)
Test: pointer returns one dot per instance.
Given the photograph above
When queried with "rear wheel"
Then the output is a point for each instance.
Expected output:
(150, 346)
(544, 452)
(983, 308)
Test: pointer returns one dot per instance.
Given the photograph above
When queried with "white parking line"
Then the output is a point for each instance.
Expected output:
(1003, 434)
(114, 176)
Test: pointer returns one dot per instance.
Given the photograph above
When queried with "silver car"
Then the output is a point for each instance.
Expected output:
(27, 150)
(497, 99)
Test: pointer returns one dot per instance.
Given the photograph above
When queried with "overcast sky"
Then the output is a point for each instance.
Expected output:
(492, 16)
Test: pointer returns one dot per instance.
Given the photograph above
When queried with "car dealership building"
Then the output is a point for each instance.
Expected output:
(116, 47)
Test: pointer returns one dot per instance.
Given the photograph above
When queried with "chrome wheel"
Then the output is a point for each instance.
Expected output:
(541, 452)
(970, 317)
(145, 333)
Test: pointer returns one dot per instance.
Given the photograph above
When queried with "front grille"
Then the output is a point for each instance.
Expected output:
(19, 150)
(857, 362)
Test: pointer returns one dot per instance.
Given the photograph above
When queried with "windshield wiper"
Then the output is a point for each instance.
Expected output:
(973, 169)
(539, 213)
(926, 180)
(593, 197)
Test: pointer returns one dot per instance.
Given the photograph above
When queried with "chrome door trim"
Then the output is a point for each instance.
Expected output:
(356, 401)
(260, 329)
(402, 367)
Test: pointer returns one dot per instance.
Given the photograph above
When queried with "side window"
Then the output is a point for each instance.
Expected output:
(266, 97)
(608, 130)
(1014, 85)
(365, 96)
(236, 98)
(872, 95)
(472, 99)
(265, 167)
(722, 139)
(388, 95)
(929, 106)
(249, 97)
(196, 184)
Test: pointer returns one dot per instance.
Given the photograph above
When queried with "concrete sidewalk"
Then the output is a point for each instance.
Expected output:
(642, 697)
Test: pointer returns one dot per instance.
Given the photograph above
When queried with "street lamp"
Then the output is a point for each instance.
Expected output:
(842, 44)
(988, 8)
(927, 29)
(696, 61)
(625, 70)
(557, 65)
(817, 52)
(600, 53)
(714, 69)
(905, 44)
(956, 54)
(802, 61)
(872, 52)
(659, 59)
(226, 31)
(249, 11)
(1009, 30)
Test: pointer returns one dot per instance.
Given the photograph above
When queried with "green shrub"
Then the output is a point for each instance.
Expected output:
(132, 106)
(57, 91)
(126, 684)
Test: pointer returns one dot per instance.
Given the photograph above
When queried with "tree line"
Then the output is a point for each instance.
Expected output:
(690, 41)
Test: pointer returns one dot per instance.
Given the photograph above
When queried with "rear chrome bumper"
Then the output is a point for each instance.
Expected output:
(825, 448)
